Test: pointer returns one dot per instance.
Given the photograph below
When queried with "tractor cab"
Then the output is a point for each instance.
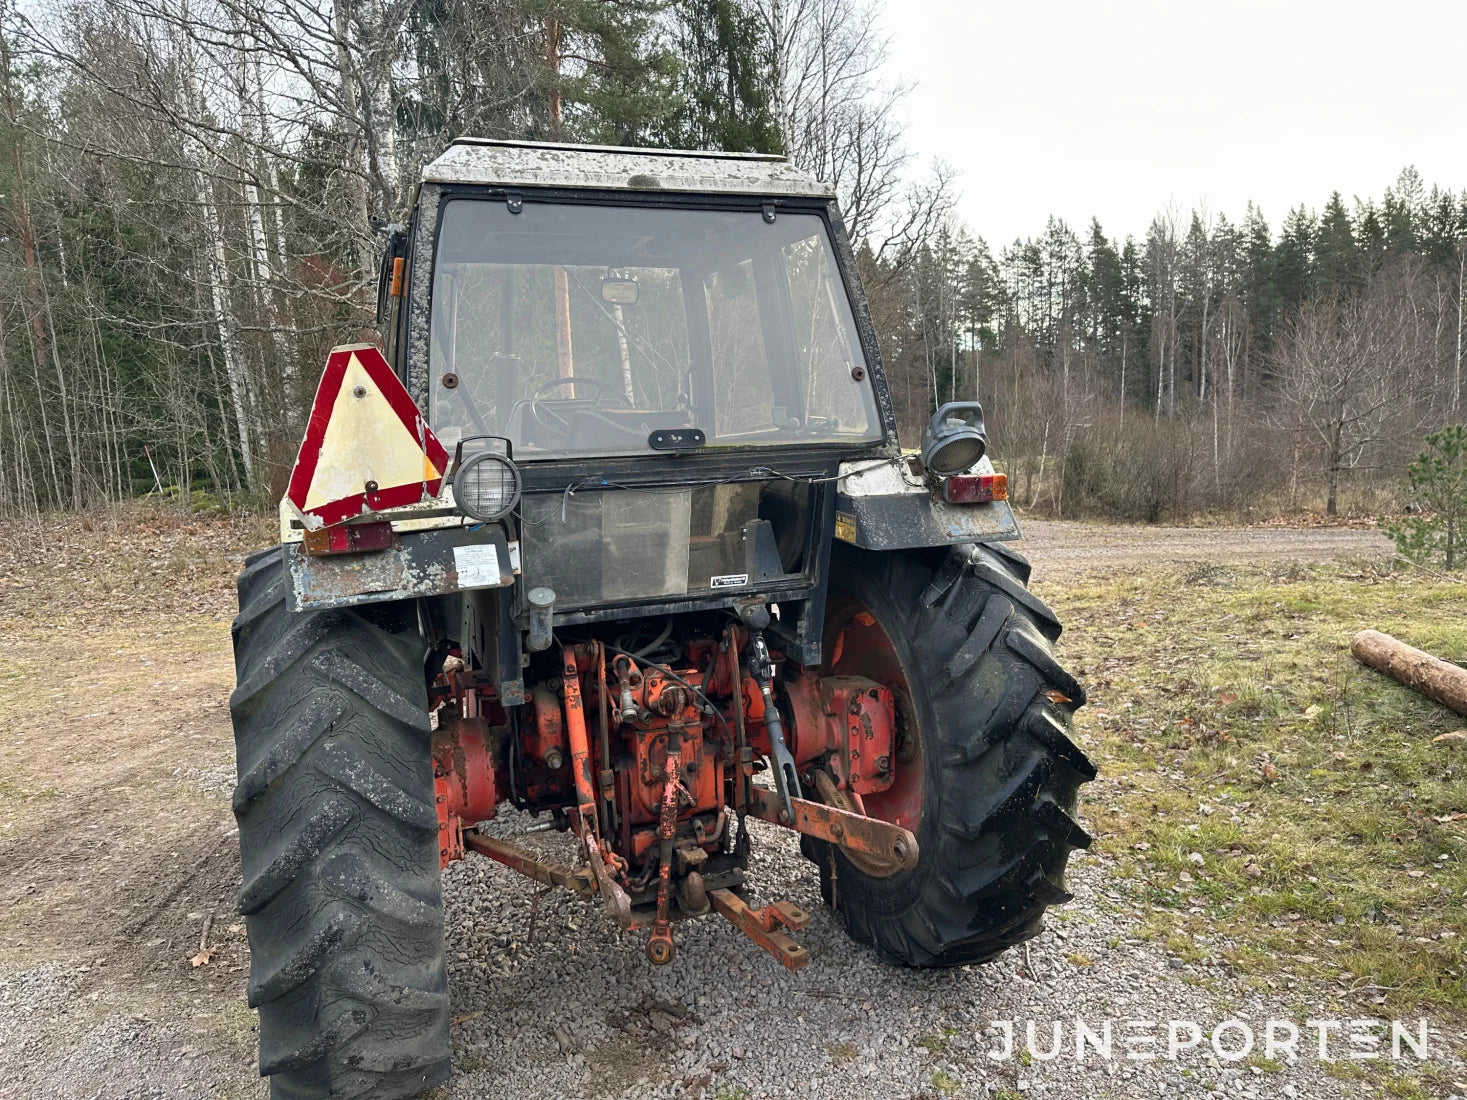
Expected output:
(658, 368)
(648, 338)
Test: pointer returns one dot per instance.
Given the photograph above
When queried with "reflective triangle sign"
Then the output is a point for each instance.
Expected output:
(367, 446)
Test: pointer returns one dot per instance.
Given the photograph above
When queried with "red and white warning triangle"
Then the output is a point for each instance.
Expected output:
(367, 446)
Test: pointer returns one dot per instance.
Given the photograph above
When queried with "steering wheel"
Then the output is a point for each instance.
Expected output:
(549, 418)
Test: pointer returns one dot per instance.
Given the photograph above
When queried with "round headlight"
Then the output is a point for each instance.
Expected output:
(955, 455)
(486, 486)
(954, 439)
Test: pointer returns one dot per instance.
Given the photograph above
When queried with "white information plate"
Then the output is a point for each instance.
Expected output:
(478, 566)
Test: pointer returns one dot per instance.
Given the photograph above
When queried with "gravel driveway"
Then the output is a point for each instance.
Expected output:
(98, 998)
(579, 1012)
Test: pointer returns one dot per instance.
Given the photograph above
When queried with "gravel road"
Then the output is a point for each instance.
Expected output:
(98, 997)
(1062, 549)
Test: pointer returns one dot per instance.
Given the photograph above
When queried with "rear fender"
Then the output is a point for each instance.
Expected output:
(888, 507)
(419, 563)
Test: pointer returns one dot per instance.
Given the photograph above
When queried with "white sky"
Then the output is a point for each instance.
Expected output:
(1119, 107)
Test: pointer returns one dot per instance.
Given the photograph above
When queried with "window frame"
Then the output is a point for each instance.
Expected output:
(435, 198)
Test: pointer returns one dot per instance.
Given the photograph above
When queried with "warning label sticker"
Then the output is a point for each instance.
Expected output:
(478, 566)
(845, 527)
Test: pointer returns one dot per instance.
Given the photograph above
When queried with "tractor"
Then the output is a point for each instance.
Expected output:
(612, 525)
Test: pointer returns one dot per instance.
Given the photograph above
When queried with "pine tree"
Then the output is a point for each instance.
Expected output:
(1439, 482)
(1104, 291)
(1442, 229)
(610, 69)
(1260, 293)
(1227, 256)
(1294, 259)
(1371, 238)
(1403, 212)
(1337, 267)
(725, 80)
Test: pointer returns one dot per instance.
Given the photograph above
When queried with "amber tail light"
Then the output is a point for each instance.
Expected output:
(975, 488)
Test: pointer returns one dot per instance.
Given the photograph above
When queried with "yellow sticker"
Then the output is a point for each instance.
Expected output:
(845, 527)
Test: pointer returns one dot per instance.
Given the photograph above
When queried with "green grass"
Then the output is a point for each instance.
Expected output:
(937, 1042)
(945, 1082)
(1260, 785)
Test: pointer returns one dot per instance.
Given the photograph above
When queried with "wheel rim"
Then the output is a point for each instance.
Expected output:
(856, 644)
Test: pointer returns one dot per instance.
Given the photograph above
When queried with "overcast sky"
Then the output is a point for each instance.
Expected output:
(1119, 107)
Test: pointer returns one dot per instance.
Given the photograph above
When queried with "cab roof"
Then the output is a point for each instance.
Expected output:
(491, 162)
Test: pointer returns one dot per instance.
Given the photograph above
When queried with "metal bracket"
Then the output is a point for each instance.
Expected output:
(854, 832)
(579, 881)
(786, 774)
(763, 925)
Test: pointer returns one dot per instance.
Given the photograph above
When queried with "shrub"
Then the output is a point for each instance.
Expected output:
(1439, 484)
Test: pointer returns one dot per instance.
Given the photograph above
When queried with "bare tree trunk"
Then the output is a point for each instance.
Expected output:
(350, 118)
(226, 327)
(1457, 363)
(1336, 458)
(1123, 382)
(626, 356)
(39, 310)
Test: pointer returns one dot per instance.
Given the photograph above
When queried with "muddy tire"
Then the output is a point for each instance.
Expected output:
(994, 813)
(339, 847)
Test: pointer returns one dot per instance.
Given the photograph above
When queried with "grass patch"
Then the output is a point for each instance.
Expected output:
(934, 1043)
(1261, 786)
(945, 1082)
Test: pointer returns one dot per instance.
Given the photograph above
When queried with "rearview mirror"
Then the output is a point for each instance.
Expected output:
(619, 292)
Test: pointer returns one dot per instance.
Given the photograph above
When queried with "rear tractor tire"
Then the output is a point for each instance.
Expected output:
(339, 847)
(986, 771)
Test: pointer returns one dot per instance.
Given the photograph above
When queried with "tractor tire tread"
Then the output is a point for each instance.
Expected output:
(998, 713)
(339, 849)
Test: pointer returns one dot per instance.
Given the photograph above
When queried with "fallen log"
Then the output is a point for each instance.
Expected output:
(1420, 671)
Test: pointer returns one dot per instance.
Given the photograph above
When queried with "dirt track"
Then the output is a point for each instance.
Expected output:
(1061, 549)
(117, 849)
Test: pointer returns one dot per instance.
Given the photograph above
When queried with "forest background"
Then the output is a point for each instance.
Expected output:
(189, 189)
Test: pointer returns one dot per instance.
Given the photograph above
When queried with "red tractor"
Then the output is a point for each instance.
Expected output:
(614, 527)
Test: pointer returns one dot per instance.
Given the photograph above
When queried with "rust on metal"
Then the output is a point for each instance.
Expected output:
(613, 897)
(763, 926)
(464, 788)
(522, 860)
(580, 746)
(868, 836)
(660, 948)
(420, 563)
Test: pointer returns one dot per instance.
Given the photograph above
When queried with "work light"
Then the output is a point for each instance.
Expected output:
(954, 438)
(486, 485)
